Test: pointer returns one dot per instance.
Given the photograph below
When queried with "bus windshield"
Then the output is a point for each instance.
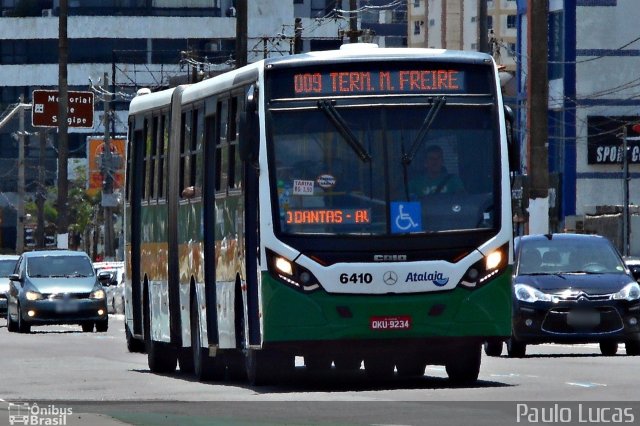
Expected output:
(388, 167)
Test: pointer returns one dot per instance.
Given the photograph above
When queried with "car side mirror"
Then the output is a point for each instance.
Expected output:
(14, 277)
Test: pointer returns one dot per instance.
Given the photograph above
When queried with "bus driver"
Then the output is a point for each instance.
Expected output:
(436, 179)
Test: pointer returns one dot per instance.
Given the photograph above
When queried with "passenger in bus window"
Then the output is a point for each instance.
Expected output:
(436, 179)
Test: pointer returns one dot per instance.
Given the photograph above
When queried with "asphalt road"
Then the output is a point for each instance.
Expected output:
(91, 379)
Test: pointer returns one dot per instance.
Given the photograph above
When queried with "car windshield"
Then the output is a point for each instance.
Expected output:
(6, 267)
(596, 256)
(59, 266)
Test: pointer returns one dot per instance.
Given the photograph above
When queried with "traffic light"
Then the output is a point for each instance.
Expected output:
(635, 128)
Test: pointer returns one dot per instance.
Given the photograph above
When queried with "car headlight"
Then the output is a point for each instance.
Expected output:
(529, 294)
(33, 295)
(97, 294)
(629, 292)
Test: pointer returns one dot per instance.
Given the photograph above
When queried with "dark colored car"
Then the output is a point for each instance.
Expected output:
(572, 288)
(56, 287)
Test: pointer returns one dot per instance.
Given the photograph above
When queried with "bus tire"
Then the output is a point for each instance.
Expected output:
(185, 360)
(317, 362)
(205, 367)
(463, 367)
(379, 367)
(265, 367)
(133, 345)
(411, 367)
(161, 357)
(347, 363)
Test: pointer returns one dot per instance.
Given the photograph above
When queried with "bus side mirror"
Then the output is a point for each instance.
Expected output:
(512, 143)
(248, 143)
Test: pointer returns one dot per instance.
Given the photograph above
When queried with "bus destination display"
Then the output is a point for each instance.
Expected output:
(376, 82)
(328, 216)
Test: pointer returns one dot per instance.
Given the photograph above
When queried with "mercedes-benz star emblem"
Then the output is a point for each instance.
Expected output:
(390, 278)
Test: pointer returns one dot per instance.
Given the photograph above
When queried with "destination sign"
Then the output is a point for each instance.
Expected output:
(375, 82)
(328, 216)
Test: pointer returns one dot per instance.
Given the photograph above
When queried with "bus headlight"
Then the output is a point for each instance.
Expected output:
(291, 273)
(486, 268)
(284, 266)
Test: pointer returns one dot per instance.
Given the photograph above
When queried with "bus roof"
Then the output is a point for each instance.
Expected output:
(150, 101)
(365, 52)
(348, 53)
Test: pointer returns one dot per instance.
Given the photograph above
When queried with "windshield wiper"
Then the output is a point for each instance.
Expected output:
(338, 121)
(436, 104)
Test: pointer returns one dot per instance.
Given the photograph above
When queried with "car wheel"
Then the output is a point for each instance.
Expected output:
(102, 326)
(492, 348)
(516, 349)
(23, 326)
(12, 326)
(265, 367)
(608, 348)
(87, 327)
(632, 347)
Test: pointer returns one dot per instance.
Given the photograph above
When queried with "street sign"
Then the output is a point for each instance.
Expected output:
(45, 109)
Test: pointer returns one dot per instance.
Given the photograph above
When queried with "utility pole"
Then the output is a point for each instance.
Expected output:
(63, 128)
(241, 33)
(538, 94)
(353, 22)
(40, 192)
(20, 202)
(626, 225)
(107, 175)
(483, 31)
(297, 37)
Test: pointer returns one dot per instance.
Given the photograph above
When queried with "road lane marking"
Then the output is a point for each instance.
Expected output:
(585, 384)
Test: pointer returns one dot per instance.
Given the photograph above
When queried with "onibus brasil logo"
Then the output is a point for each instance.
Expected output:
(49, 415)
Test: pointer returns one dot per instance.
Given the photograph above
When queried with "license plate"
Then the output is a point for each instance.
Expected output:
(66, 307)
(583, 318)
(402, 322)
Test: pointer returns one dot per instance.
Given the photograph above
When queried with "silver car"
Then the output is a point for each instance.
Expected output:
(56, 287)
(7, 265)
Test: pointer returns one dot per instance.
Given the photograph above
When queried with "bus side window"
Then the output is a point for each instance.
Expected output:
(153, 158)
(145, 160)
(163, 137)
(233, 142)
(221, 147)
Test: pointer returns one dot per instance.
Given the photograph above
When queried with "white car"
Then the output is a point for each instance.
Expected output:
(115, 287)
(7, 265)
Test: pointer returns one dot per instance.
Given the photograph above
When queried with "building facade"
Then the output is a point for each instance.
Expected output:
(594, 93)
(453, 24)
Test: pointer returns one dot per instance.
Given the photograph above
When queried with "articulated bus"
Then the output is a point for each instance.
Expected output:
(286, 210)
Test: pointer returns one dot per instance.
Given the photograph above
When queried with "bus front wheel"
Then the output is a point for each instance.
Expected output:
(463, 367)
(265, 367)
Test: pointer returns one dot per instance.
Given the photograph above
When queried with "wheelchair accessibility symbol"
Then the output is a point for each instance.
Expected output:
(406, 217)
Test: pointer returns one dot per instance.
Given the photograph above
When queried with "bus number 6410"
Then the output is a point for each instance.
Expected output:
(356, 278)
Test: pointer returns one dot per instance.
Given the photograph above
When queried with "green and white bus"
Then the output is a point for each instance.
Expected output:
(271, 212)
